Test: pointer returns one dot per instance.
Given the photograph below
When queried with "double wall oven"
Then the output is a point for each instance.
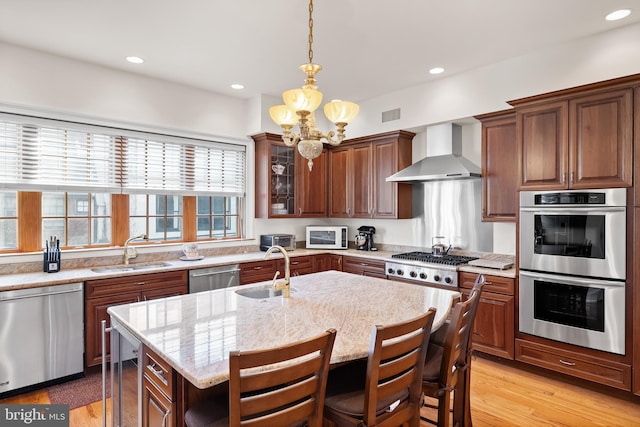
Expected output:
(572, 267)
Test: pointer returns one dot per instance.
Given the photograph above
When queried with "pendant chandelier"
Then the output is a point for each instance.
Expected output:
(299, 108)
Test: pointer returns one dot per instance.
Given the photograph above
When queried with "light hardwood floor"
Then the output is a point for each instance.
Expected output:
(501, 395)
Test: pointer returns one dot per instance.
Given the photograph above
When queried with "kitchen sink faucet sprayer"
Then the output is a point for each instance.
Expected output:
(282, 285)
(127, 256)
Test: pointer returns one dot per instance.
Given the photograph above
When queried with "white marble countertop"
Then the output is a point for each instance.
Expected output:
(194, 333)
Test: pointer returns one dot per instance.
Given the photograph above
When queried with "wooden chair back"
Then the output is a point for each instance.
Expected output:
(265, 392)
(395, 365)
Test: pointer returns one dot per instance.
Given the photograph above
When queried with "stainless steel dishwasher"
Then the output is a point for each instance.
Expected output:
(41, 335)
(206, 279)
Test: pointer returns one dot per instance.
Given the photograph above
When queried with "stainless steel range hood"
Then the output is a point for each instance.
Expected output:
(446, 141)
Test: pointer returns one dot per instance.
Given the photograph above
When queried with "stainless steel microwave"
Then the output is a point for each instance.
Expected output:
(287, 241)
(327, 237)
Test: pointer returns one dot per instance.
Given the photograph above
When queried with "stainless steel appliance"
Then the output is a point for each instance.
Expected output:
(206, 279)
(578, 232)
(327, 237)
(126, 377)
(572, 267)
(583, 311)
(287, 241)
(427, 268)
(41, 335)
(364, 238)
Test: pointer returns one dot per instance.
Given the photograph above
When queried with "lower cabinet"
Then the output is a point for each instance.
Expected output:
(576, 364)
(159, 403)
(493, 329)
(103, 293)
(326, 262)
(257, 271)
(364, 267)
(297, 265)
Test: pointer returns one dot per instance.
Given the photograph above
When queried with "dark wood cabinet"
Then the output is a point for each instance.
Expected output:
(576, 364)
(364, 267)
(499, 166)
(358, 169)
(257, 271)
(159, 392)
(326, 262)
(298, 265)
(493, 329)
(582, 139)
(103, 293)
(350, 181)
(285, 187)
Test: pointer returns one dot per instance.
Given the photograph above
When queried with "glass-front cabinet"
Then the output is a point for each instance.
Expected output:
(285, 187)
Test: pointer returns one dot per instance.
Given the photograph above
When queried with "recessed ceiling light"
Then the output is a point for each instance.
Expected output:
(436, 70)
(237, 86)
(618, 14)
(135, 59)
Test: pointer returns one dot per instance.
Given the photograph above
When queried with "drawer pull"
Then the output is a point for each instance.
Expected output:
(141, 283)
(486, 282)
(258, 267)
(158, 373)
(564, 362)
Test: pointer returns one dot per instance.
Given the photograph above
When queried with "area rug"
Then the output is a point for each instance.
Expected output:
(80, 392)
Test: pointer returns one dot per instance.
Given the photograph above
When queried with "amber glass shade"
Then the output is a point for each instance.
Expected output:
(304, 99)
(283, 115)
(341, 111)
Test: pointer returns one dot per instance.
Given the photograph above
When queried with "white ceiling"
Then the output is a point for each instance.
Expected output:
(366, 47)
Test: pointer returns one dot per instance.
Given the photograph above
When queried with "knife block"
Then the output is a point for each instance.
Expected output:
(51, 262)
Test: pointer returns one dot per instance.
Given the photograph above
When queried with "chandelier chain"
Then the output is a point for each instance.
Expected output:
(310, 32)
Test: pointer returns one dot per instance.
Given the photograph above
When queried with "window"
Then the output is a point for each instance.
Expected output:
(8, 220)
(218, 217)
(77, 167)
(77, 219)
(157, 216)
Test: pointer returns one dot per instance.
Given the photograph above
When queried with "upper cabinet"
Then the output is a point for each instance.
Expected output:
(284, 185)
(358, 169)
(579, 138)
(499, 166)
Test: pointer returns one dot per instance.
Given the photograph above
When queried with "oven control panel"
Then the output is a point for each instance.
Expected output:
(422, 274)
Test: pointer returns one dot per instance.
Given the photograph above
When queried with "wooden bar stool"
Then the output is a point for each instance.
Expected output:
(387, 390)
(447, 367)
(264, 393)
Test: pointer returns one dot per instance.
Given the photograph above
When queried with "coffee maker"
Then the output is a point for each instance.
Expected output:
(364, 238)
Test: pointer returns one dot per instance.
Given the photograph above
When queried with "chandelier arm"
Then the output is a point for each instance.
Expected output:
(290, 139)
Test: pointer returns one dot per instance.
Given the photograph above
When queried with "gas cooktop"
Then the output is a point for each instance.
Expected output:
(428, 257)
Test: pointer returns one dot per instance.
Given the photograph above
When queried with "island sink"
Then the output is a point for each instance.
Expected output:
(261, 292)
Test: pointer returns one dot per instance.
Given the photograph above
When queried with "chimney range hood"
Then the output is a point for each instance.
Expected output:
(446, 139)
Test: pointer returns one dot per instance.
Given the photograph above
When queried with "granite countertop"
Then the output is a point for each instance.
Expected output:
(194, 333)
(30, 280)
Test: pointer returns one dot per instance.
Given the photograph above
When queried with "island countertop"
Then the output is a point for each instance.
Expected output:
(194, 333)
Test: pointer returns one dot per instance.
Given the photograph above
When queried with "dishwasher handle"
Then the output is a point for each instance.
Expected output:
(23, 294)
(214, 273)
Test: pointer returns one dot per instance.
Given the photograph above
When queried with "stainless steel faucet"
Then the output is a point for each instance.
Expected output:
(282, 285)
(133, 254)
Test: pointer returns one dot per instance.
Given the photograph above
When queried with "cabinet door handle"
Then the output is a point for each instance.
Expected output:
(164, 418)
(564, 362)
(158, 373)
(299, 211)
(564, 177)
(348, 211)
(572, 176)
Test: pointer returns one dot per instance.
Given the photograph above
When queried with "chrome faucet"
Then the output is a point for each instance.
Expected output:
(282, 285)
(133, 254)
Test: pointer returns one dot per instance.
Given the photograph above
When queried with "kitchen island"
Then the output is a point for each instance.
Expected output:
(194, 333)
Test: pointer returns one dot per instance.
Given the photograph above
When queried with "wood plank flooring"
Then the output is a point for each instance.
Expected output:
(502, 394)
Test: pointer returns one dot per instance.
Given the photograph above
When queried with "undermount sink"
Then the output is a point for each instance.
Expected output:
(261, 292)
(130, 267)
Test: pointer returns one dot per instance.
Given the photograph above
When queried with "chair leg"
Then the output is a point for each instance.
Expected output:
(462, 401)
(444, 409)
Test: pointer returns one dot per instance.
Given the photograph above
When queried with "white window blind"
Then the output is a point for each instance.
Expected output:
(41, 154)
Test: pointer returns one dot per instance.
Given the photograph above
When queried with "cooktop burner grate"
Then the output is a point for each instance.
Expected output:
(435, 259)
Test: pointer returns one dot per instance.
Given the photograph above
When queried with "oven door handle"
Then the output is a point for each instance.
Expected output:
(579, 281)
(564, 211)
